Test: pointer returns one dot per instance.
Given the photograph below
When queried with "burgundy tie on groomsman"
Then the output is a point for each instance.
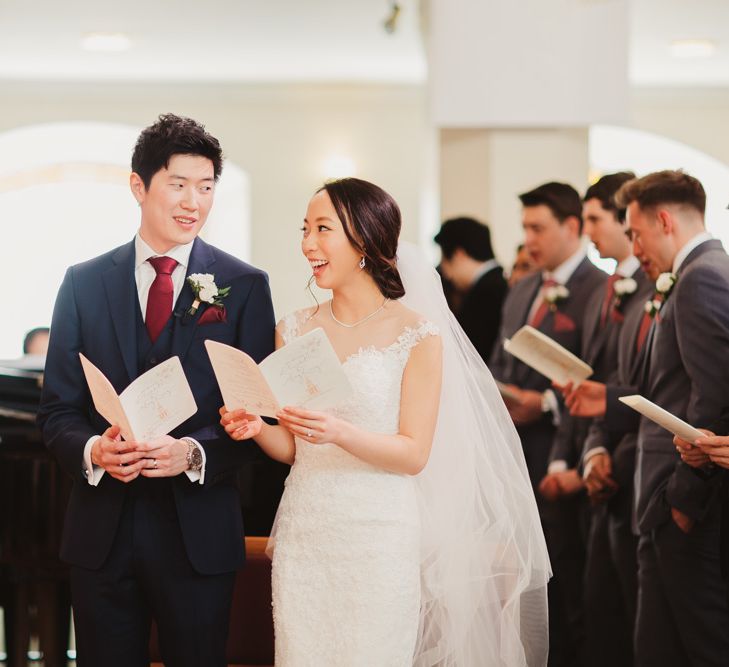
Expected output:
(609, 297)
(544, 306)
(645, 324)
(159, 299)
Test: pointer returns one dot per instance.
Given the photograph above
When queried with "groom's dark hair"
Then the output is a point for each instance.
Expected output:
(371, 220)
(173, 135)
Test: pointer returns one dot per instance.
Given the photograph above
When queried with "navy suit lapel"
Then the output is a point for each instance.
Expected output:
(121, 292)
(201, 259)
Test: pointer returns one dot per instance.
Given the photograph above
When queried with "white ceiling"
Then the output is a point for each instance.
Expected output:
(657, 23)
(238, 40)
(300, 40)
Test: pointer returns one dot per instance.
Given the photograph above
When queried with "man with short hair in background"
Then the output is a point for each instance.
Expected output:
(468, 263)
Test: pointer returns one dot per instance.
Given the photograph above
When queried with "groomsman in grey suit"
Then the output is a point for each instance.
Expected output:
(612, 320)
(552, 300)
(682, 607)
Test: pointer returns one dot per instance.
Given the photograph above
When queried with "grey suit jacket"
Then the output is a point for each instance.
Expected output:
(619, 364)
(537, 437)
(685, 373)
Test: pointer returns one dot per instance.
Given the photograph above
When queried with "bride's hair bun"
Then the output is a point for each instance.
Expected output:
(372, 222)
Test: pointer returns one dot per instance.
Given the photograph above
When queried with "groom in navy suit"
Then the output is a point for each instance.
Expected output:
(153, 529)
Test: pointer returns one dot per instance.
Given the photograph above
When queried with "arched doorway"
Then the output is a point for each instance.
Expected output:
(65, 198)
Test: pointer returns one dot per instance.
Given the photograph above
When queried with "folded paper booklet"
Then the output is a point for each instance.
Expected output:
(306, 373)
(547, 357)
(662, 417)
(153, 405)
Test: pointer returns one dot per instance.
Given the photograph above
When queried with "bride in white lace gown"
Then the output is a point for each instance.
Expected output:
(357, 578)
(346, 564)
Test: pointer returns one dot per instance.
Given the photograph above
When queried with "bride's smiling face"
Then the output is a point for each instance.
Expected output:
(325, 245)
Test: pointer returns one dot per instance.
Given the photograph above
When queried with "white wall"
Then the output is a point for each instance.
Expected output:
(280, 135)
(483, 171)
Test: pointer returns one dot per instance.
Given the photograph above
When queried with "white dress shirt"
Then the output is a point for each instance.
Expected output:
(144, 275)
(488, 265)
(695, 242)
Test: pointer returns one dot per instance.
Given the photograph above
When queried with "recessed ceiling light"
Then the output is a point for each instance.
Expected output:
(109, 42)
(693, 48)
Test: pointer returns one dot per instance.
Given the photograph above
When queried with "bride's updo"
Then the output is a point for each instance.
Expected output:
(371, 220)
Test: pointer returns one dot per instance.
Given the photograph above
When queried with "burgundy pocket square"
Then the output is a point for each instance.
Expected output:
(213, 314)
(563, 323)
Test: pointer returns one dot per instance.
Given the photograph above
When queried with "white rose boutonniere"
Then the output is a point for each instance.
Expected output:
(554, 294)
(621, 289)
(206, 291)
(625, 286)
(653, 306)
(665, 283)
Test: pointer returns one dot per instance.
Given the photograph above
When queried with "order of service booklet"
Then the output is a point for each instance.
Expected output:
(306, 373)
(153, 405)
(547, 357)
(662, 417)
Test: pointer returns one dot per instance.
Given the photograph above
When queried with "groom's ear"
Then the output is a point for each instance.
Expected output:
(136, 184)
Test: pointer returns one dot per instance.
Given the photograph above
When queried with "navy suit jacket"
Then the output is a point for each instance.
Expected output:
(96, 313)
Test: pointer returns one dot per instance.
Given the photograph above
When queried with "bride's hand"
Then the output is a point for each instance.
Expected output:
(239, 425)
(314, 427)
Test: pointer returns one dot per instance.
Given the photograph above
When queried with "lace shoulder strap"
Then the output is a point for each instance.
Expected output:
(412, 335)
(290, 326)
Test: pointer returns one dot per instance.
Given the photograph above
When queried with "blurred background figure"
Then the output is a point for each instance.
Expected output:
(468, 263)
(36, 342)
(453, 296)
(522, 267)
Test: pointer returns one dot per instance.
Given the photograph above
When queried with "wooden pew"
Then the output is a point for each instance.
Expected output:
(250, 638)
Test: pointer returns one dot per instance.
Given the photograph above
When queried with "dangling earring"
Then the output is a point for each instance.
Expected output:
(362, 262)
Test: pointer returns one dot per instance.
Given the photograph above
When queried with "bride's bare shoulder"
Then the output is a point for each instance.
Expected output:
(406, 317)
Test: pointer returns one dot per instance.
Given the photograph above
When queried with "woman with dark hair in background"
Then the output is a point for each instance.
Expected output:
(403, 536)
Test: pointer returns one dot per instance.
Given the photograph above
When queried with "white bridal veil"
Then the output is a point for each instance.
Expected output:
(484, 559)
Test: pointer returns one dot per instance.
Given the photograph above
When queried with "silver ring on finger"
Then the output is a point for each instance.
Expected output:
(154, 464)
(309, 434)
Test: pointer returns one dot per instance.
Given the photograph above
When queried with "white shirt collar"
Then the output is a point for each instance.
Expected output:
(695, 242)
(143, 252)
(488, 265)
(628, 266)
(565, 270)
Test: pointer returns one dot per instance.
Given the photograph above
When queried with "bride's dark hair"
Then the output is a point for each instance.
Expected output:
(371, 220)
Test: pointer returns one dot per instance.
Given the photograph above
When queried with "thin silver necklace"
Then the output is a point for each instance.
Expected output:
(362, 321)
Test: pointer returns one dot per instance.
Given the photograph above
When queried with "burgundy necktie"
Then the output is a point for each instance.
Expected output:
(159, 299)
(541, 312)
(609, 297)
(645, 324)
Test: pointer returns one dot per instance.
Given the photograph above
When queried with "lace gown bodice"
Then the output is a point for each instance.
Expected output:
(346, 555)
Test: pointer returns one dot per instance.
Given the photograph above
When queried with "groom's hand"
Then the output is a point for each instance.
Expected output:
(118, 458)
(163, 457)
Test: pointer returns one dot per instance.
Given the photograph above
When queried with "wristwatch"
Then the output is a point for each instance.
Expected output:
(194, 456)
